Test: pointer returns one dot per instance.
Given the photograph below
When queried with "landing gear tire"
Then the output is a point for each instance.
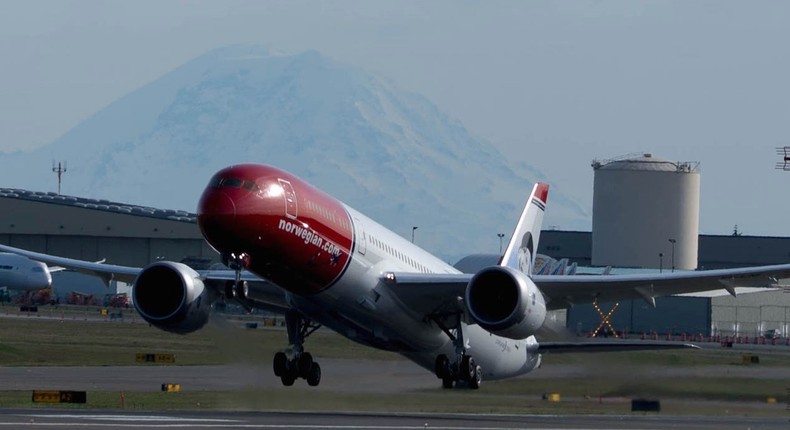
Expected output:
(477, 379)
(288, 379)
(305, 365)
(280, 364)
(314, 375)
(448, 382)
(241, 289)
(442, 367)
(468, 368)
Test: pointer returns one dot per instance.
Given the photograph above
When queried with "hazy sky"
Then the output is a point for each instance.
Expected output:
(555, 84)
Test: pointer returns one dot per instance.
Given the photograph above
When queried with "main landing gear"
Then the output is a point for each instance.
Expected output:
(464, 370)
(297, 363)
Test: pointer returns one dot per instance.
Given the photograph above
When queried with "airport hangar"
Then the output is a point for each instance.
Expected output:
(94, 230)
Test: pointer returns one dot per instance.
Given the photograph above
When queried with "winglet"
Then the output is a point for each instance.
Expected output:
(521, 250)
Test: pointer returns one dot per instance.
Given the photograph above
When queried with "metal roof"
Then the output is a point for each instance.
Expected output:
(645, 162)
(97, 204)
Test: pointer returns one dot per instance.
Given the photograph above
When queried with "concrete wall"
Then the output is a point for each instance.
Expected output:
(674, 315)
(26, 217)
(752, 314)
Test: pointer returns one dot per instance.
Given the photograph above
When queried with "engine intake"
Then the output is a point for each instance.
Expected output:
(172, 297)
(505, 302)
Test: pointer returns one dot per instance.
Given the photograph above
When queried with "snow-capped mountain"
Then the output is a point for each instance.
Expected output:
(389, 153)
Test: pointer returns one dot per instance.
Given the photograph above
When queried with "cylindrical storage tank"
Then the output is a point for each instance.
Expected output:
(645, 213)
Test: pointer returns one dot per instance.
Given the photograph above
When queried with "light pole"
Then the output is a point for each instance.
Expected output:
(660, 262)
(412, 233)
(500, 236)
(672, 241)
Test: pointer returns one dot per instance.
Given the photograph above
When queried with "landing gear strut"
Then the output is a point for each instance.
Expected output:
(297, 363)
(237, 289)
(463, 370)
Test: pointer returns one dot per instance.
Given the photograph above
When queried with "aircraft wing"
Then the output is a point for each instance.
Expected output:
(565, 291)
(431, 294)
(264, 293)
(106, 272)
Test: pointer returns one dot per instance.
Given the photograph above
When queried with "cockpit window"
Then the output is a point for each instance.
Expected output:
(4, 267)
(231, 183)
(219, 182)
(214, 182)
(250, 186)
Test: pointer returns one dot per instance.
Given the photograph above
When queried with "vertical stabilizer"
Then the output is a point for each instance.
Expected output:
(521, 251)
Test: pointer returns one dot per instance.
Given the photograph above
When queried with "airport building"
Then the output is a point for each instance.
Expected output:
(94, 230)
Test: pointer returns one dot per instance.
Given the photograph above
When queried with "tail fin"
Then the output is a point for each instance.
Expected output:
(521, 251)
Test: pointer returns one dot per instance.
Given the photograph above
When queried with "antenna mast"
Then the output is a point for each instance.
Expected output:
(60, 169)
(783, 152)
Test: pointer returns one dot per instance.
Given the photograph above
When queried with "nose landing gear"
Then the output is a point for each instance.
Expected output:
(237, 289)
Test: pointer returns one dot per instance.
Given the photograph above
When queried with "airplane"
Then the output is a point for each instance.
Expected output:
(293, 249)
(21, 273)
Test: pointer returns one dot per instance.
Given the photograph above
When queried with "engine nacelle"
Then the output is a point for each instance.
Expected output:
(505, 302)
(172, 297)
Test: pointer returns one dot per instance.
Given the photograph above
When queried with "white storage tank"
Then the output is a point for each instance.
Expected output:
(645, 213)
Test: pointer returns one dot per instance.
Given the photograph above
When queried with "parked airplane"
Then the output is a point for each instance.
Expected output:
(296, 250)
(21, 273)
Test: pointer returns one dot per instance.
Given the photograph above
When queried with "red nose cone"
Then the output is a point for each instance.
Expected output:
(216, 203)
(216, 213)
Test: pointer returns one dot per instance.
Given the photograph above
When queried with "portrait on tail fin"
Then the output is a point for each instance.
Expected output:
(525, 253)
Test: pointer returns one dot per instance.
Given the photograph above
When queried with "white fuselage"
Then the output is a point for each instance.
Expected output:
(361, 307)
(21, 273)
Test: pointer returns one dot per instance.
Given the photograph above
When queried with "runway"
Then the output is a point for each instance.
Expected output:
(47, 419)
(370, 376)
(393, 379)
(382, 377)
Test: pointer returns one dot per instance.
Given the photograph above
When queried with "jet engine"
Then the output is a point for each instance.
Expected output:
(172, 297)
(505, 302)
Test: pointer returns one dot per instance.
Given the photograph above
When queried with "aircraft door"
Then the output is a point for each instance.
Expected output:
(291, 208)
(362, 240)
